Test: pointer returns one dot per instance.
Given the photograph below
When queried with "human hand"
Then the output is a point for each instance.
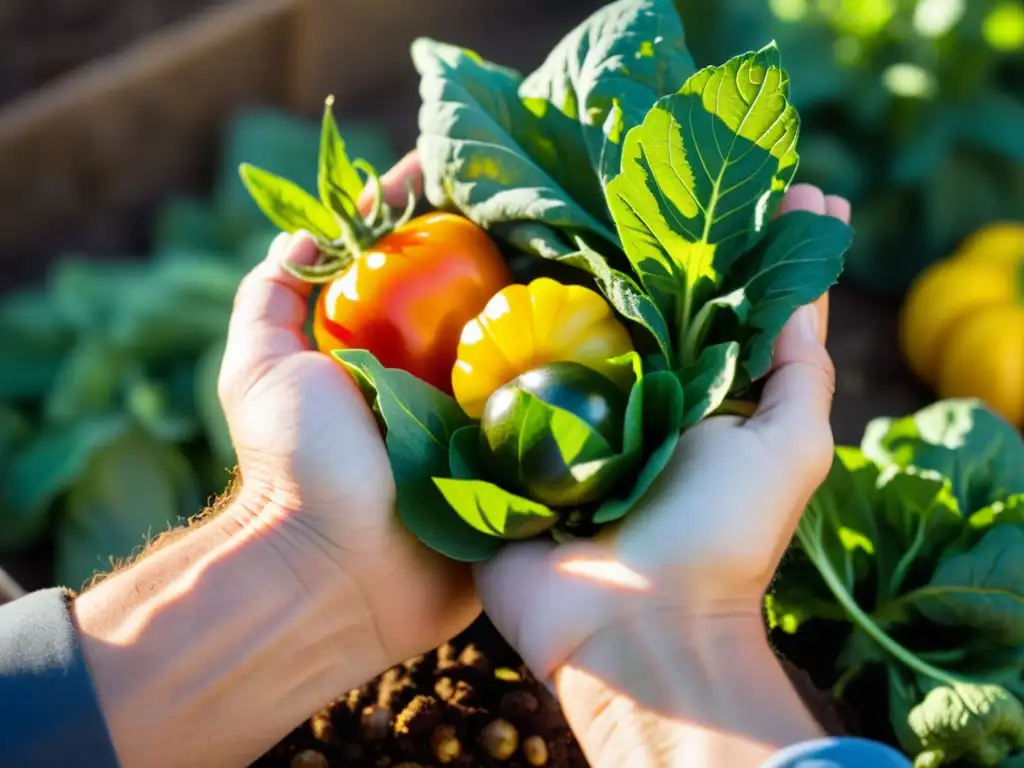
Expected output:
(710, 534)
(315, 472)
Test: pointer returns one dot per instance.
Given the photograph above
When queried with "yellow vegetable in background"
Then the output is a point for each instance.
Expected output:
(527, 326)
(962, 324)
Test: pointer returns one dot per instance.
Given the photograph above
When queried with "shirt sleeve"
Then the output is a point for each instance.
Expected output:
(51, 715)
(838, 753)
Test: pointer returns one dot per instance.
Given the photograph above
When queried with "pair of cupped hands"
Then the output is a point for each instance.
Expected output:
(702, 546)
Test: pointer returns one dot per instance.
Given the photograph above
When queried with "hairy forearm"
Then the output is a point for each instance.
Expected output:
(667, 693)
(208, 651)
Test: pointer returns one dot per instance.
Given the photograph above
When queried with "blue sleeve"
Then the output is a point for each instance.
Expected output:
(50, 714)
(838, 753)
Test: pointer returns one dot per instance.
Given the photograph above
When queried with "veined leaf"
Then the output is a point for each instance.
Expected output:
(608, 72)
(982, 589)
(701, 176)
(475, 136)
(287, 205)
(338, 181)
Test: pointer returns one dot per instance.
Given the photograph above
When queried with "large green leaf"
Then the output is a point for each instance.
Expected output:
(701, 175)
(980, 453)
(475, 142)
(133, 490)
(628, 53)
(982, 589)
(420, 422)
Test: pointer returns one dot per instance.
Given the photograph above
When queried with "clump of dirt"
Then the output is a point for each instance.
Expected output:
(469, 704)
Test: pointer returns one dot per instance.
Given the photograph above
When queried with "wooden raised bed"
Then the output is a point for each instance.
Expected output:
(122, 131)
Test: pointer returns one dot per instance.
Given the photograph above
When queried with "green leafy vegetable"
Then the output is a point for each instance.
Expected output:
(608, 72)
(700, 177)
(982, 724)
(474, 139)
(913, 571)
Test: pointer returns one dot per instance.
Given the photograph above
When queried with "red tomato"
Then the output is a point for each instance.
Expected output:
(408, 298)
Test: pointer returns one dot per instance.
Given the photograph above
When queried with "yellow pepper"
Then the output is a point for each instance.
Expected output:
(962, 323)
(527, 326)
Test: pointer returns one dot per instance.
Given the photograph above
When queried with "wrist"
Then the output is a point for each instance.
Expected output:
(211, 649)
(668, 690)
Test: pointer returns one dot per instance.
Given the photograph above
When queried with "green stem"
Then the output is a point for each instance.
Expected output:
(864, 621)
(693, 337)
(908, 558)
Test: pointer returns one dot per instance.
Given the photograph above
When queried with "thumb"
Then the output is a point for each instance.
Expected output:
(793, 418)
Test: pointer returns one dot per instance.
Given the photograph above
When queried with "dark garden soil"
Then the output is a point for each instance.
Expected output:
(469, 704)
(40, 40)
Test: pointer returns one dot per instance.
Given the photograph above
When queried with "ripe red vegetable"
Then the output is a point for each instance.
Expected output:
(408, 297)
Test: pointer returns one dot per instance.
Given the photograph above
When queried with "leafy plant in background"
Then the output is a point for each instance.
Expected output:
(912, 108)
(626, 172)
(110, 428)
(911, 556)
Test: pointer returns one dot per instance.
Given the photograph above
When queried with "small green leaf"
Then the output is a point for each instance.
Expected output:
(701, 176)
(1008, 511)
(616, 509)
(798, 259)
(982, 589)
(662, 418)
(473, 145)
(494, 511)
(338, 181)
(706, 383)
(420, 422)
(287, 205)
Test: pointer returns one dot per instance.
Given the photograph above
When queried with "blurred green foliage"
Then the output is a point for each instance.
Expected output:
(110, 427)
(911, 108)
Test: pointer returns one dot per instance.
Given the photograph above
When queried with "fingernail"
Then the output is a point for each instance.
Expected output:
(808, 323)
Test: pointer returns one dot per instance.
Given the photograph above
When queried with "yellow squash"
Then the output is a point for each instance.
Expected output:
(962, 324)
(527, 326)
